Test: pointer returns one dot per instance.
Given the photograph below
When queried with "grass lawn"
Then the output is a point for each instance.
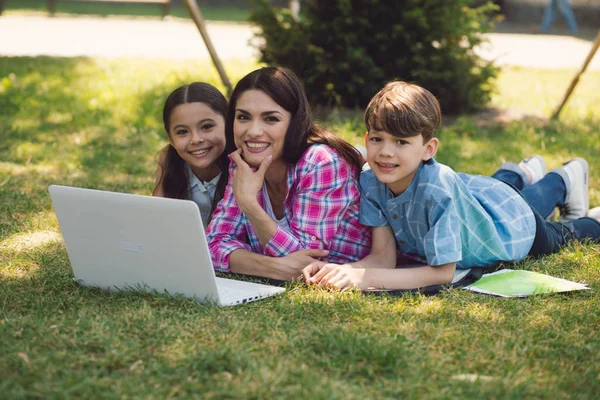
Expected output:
(95, 123)
(210, 13)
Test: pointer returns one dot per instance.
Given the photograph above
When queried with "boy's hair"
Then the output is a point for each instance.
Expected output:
(404, 109)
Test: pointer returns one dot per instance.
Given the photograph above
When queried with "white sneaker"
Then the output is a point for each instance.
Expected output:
(594, 213)
(535, 167)
(575, 174)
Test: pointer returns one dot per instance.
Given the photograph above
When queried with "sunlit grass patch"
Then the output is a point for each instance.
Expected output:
(30, 241)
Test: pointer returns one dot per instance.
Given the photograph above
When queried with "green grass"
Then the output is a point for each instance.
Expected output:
(210, 13)
(95, 123)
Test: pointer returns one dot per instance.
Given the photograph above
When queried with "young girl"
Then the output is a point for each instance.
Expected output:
(193, 166)
(293, 191)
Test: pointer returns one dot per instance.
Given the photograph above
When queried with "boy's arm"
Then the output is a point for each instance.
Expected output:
(343, 277)
(383, 255)
(378, 269)
(383, 250)
(408, 278)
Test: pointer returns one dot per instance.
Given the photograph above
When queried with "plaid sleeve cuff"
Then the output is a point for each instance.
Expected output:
(221, 259)
(281, 244)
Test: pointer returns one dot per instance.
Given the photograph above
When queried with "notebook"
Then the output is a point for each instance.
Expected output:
(118, 241)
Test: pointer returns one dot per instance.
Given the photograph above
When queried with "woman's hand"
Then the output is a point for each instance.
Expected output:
(290, 267)
(335, 276)
(285, 268)
(247, 183)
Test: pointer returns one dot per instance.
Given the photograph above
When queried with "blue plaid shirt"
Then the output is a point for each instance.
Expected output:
(445, 217)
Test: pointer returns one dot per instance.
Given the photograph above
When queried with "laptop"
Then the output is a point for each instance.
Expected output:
(126, 241)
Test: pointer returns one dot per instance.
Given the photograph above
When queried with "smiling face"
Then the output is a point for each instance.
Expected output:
(259, 127)
(395, 160)
(197, 133)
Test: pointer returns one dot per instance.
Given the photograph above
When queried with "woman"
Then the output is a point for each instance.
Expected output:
(293, 188)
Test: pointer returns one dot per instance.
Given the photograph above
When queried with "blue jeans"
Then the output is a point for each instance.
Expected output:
(550, 16)
(543, 196)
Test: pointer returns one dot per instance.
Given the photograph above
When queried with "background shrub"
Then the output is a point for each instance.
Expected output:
(346, 50)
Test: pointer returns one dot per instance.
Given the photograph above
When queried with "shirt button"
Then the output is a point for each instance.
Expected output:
(394, 217)
(401, 241)
(313, 238)
(389, 196)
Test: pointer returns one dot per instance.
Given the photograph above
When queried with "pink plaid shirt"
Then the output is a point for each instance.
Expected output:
(322, 207)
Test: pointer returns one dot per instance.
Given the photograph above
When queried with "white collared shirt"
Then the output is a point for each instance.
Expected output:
(202, 193)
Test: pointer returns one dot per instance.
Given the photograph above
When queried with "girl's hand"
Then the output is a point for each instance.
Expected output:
(247, 183)
(335, 276)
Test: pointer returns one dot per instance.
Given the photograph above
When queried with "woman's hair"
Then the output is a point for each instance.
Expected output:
(284, 87)
(175, 178)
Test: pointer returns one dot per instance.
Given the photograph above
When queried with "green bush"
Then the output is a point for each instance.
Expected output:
(346, 50)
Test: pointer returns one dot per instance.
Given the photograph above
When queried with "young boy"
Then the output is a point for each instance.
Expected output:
(450, 221)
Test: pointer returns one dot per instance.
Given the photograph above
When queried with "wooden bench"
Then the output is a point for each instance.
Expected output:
(165, 3)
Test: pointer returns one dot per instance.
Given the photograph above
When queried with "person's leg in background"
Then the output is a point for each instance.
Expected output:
(566, 10)
(549, 16)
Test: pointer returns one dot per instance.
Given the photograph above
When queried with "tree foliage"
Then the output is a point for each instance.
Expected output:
(346, 50)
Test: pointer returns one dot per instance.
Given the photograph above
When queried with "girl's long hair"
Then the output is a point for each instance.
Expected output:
(286, 89)
(175, 178)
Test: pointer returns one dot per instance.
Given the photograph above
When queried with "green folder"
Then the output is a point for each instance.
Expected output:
(518, 283)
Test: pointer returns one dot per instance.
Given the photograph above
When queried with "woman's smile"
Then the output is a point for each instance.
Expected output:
(256, 146)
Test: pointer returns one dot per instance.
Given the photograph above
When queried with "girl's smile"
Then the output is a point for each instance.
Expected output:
(201, 153)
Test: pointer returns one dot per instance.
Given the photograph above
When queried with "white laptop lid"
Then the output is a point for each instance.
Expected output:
(120, 241)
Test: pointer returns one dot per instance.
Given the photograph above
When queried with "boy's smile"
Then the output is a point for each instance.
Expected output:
(386, 167)
(395, 160)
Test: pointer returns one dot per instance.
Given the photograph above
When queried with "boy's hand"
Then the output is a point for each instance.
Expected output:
(334, 276)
